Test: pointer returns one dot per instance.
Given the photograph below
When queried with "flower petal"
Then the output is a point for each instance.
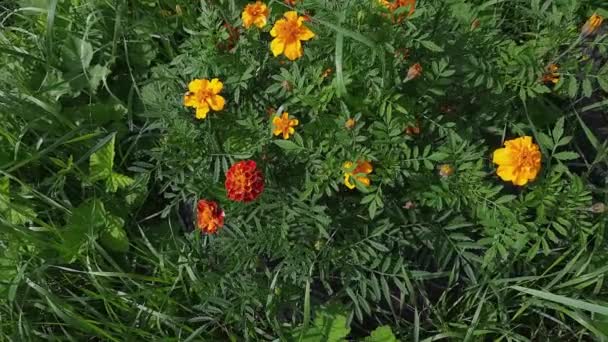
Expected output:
(216, 102)
(291, 15)
(277, 46)
(305, 33)
(293, 50)
(277, 25)
(197, 85)
(190, 100)
(506, 172)
(201, 112)
(502, 156)
(216, 86)
(347, 181)
(364, 180)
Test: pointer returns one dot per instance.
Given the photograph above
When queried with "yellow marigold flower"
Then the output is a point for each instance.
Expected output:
(360, 172)
(519, 161)
(350, 123)
(289, 33)
(446, 170)
(592, 25)
(284, 125)
(255, 14)
(204, 95)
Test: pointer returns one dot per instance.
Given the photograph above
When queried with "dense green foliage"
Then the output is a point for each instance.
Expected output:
(101, 164)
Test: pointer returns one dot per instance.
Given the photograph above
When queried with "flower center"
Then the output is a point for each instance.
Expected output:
(290, 31)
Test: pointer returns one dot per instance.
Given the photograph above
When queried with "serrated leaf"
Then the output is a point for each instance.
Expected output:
(287, 145)
(431, 46)
(572, 87)
(328, 326)
(102, 161)
(84, 225)
(558, 130)
(114, 236)
(587, 88)
(118, 181)
(382, 334)
(438, 156)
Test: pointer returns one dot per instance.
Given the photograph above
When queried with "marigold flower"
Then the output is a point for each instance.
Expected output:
(414, 72)
(446, 170)
(290, 2)
(413, 129)
(204, 95)
(519, 161)
(551, 76)
(327, 72)
(209, 216)
(244, 182)
(284, 125)
(393, 5)
(289, 33)
(350, 123)
(255, 14)
(592, 25)
(360, 172)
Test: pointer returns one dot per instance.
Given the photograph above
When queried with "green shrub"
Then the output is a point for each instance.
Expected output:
(383, 215)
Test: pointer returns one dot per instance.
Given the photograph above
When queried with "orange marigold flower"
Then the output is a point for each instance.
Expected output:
(551, 76)
(284, 125)
(244, 182)
(350, 123)
(519, 161)
(414, 72)
(360, 172)
(446, 170)
(290, 2)
(204, 95)
(289, 33)
(592, 25)
(255, 14)
(209, 216)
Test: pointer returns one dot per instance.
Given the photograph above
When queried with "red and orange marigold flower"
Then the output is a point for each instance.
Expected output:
(255, 14)
(209, 216)
(288, 33)
(204, 95)
(244, 182)
(393, 5)
(284, 125)
(359, 172)
(519, 161)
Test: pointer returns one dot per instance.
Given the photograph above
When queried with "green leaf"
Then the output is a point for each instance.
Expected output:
(575, 303)
(85, 224)
(114, 237)
(587, 88)
(102, 161)
(566, 155)
(558, 130)
(431, 46)
(381, 334)
(572, 87)
(328, 326)
(287, 145)
(118, 181)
